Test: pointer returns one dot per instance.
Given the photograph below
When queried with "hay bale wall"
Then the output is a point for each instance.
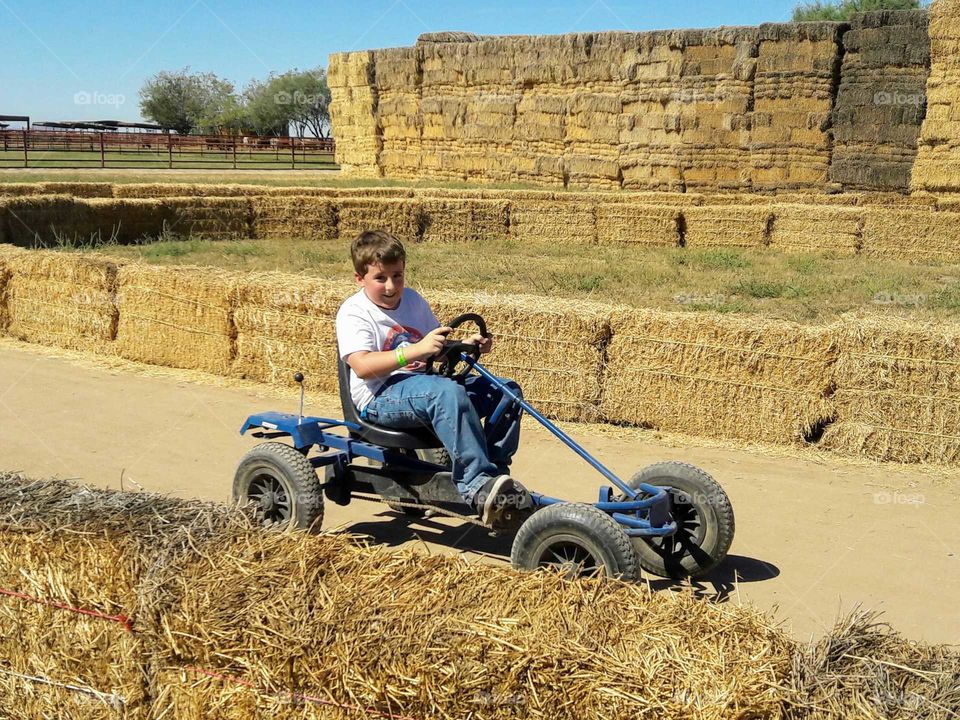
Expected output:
(898, 391)
(937, 167)
(62, 300)
(353, 112)
(177, 317)
(718, 376)
(881, 100)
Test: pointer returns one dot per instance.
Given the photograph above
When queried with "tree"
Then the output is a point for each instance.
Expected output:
(188, 102)
(818, 10)
(300, 99)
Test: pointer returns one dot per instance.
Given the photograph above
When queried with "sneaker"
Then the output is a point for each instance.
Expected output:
(499, 498)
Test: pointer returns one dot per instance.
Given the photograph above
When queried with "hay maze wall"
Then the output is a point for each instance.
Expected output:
(773, 107)
(843, 385)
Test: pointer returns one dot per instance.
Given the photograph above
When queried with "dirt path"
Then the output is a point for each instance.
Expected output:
(814, 536)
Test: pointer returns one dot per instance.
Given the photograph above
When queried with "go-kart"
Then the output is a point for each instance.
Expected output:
(670, 519)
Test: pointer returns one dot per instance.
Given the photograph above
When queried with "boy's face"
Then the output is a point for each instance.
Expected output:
(383, 284)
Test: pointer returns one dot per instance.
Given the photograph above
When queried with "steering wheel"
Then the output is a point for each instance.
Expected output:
(452, 350)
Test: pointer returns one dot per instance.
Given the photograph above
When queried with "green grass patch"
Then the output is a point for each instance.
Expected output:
(806, 288)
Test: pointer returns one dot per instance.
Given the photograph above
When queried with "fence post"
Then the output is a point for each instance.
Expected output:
(169, 150)
(103, 162)
(26, 154)
(293, 155)
(234, 152)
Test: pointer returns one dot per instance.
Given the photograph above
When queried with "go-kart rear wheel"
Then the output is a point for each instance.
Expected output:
(437, 456)
(704, 517)
(282, 485)
(576, 538)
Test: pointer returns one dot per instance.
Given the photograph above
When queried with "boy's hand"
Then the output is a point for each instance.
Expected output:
(485, 343)
(432, 344)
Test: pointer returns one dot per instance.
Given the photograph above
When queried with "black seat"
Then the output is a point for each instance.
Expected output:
(416, 439)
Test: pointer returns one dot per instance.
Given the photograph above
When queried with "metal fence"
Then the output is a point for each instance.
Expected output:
(75, 149)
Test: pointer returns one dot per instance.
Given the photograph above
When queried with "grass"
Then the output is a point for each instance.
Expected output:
(805, 287)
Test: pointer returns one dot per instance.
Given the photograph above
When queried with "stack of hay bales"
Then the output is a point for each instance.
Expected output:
(293, 216)
(718, 376)
(592, 143)
(397, 81)
(353, 110)
(550, 219)
(403, 218)
(177, 316)
(638, 224)
(285, 324)
(911, 234)
(826, 228)
(539, 132)
(553, 348)
(217, 218)
(881, 99)
(898, 390)
(727, 225)
(464, 220)
(937, 167)
(62, 300)
(793, 97)
(486, 149)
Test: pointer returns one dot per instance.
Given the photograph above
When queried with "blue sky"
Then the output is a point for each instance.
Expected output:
(86, 61)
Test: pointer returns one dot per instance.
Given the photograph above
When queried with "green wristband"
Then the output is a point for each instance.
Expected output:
(401, 358)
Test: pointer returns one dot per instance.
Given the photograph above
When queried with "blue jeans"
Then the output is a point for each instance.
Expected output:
(453, 411)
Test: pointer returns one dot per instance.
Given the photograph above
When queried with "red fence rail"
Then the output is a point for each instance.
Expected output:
(41, 148)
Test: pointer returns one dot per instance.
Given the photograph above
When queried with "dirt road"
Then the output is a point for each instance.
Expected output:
(814, 536)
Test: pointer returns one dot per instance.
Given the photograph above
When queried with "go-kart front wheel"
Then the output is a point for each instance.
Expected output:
(577, 539)
(282, 486)
(704, 518)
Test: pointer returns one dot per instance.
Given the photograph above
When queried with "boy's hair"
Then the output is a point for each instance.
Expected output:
(375, 246)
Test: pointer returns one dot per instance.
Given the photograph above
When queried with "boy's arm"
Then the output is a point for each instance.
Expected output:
(368, 364)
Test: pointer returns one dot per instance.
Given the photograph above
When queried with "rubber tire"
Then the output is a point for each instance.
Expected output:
(438, 456)
(715, 512)
(293, 471)
(596, 530)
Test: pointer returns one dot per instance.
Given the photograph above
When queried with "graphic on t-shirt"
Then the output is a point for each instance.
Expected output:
(401, 336)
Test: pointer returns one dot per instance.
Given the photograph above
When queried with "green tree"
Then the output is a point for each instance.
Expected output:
(817, 10)
(188, 102)
(297, 98)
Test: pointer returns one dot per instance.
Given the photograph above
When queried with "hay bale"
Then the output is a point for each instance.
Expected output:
(911, 234)
(217, 218)
(290, 216)
(898, 390)
(462, 637)
(285, 324)
(727, 226)
(72, 550)
(863, 668)
(400, 217)
(717, 376)
(552, 221)
(78, 189)
(7, 253)
(464, 220)
(177, 316)
(169, 190)
(815, 228)
(554, 348)
(63, 300)
(636, 224)
(43, 220)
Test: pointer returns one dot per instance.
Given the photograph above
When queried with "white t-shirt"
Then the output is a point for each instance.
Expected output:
(362, 325)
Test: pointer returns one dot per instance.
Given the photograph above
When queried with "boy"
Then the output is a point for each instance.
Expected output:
(385, 332)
